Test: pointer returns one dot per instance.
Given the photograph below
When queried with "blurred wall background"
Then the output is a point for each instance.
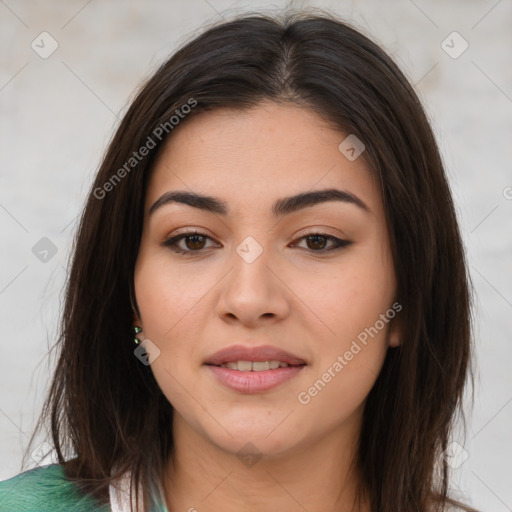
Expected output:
(67, 73)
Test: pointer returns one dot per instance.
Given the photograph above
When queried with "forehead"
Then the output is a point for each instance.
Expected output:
(248, 158)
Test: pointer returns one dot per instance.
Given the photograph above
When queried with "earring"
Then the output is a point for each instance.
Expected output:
(136, 330)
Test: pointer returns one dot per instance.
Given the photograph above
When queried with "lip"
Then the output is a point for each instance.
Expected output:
(254, 382)
(261, 353)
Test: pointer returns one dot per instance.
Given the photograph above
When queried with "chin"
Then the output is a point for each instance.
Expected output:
(263, 440)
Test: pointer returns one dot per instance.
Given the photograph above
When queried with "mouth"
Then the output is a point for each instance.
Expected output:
(254, 369)
(255, 358)
(255, 366)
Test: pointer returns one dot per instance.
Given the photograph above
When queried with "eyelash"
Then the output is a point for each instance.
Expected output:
(171, 242)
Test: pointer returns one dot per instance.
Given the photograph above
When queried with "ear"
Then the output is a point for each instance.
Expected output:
(136, 320)
(395, 332)
(135, 317)
(133, 301)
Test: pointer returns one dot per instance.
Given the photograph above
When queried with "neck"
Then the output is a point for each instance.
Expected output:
(202, 477)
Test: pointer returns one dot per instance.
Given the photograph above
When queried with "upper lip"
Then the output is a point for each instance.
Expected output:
(260, 353)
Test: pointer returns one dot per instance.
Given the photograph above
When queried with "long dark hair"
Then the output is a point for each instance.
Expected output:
(103, 401)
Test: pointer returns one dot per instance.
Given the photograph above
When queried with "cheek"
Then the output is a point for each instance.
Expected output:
(335, 396)
(168, 301)
(347, 298)
(351, 352)
(173, 304)
(353, 303)
(166, 295)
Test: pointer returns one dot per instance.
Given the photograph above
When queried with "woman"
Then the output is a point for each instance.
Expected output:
(268, 304)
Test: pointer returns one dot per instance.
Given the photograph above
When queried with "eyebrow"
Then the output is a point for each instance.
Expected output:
(281, 207)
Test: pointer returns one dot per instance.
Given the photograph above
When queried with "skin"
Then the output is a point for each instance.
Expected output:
(312, 304)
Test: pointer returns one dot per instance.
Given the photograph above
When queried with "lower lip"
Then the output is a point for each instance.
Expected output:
(254, 382)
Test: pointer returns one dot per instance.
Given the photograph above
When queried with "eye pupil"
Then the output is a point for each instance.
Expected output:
(193, 243)
(316, 238)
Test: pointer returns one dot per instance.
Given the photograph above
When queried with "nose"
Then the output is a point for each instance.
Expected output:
(253, 291)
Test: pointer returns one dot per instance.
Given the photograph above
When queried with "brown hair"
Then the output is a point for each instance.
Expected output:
(103, 401)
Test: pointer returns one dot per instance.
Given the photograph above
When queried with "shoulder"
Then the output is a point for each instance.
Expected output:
(44, 489)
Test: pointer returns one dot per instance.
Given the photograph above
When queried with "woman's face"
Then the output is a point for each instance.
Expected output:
(258, 276)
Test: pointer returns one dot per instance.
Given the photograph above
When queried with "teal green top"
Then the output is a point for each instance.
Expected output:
(46, 489)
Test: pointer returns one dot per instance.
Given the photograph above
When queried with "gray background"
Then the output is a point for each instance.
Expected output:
(58, 113)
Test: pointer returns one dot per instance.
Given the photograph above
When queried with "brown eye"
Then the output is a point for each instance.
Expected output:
(317, 242)
(194, 242)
